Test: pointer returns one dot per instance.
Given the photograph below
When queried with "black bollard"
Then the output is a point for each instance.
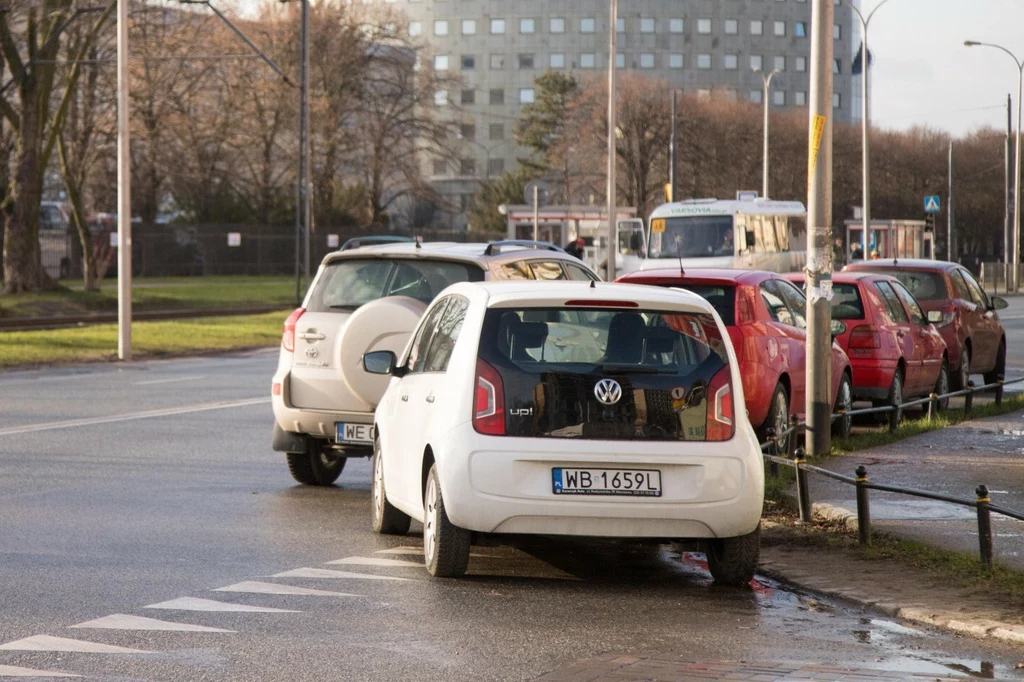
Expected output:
(802, 492)
(969, 399)
(863, 510)
(984, 525)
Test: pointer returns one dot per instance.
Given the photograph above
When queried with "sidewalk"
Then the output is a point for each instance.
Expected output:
(954, 461)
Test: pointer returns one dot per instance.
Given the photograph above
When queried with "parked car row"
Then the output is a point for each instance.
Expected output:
(496, 399)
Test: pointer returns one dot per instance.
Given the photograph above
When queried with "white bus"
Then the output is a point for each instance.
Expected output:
(761, 234)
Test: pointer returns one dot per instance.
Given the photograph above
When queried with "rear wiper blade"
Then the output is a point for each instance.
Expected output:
(343, 306)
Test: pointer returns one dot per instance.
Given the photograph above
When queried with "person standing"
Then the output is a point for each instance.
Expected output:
(575, 248)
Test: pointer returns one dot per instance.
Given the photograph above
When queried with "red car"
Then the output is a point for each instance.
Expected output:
(961, 310)
(896, 354)
(767, 319)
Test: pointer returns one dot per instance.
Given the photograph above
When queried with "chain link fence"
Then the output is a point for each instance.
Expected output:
(194, 250)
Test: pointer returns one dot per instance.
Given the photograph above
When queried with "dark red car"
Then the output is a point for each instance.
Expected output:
(895, 353)
(766, 317)
(961, 310)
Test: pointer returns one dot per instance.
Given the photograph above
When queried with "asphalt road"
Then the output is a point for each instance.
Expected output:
(129, 495)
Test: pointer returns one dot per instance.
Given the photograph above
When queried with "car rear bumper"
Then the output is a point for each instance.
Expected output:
(505, 485)
(314, 423)
(871, 378)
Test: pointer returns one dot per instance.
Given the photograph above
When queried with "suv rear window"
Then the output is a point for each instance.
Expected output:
(551, 359)
(846, 302)
(721, 298)
(924, 285)
(349, 283)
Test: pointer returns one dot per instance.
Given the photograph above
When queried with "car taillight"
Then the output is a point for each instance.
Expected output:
(489, 401)
(720, 419)
(865, 336)
(948, 313)
(288, 337)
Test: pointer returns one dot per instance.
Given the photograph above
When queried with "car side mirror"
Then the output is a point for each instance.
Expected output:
(838, 327)
(380, 362)
(998, 303)
(935, 316)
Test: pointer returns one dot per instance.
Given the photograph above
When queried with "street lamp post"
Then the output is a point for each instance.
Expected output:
(1015, 272)
(613, 241)
(767, 80)
(865, 119)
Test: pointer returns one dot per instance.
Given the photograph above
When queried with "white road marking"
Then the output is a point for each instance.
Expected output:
(15, 671)
(78, 646)
(132, 416)
(122, 621)
(194, 604)
(375, 561)
(401, 550)
(154, 382)
(324, 573)
(257, 587)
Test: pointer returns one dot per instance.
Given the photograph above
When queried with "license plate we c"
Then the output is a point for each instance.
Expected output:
(354, 433)
(592, 481)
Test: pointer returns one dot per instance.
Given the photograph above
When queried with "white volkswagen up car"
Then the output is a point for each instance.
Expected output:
(371, 298)
(568, 408)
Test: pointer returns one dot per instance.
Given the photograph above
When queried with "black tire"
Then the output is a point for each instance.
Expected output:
(895, 399)
(316, 466)
(942, 386)
(445, 545)
(778, 418)
(385, 519)
(842, 426)
(963, 372)
(733, 561)
(1000, 369)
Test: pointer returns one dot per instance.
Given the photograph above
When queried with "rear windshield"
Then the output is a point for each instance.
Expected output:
(924, 285)
(846, 302)
(552, 358)
(722, 299)
(348, 283)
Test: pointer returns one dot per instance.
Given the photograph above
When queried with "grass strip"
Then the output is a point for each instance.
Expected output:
(149, 339)
(956, 568)
(915, 427)
(167, 293)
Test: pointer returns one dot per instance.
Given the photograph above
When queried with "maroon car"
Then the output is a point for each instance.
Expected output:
(961, 310)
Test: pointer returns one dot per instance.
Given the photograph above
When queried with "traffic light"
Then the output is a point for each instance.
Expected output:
(929, 222)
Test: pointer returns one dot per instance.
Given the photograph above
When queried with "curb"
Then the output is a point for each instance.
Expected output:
(916, 613)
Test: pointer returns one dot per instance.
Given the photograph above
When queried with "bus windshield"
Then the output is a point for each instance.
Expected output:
(692, 237)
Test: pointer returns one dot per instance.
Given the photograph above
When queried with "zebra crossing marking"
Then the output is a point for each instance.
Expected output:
(123, 621)
(325, 573)
(374, 561)
(195, 604)
(257, 587)
(15, 671)
(50, 643)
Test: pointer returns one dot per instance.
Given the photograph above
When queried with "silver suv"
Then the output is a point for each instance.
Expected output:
(371, 299)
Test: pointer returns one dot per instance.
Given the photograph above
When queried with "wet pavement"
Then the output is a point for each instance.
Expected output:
(952, 461)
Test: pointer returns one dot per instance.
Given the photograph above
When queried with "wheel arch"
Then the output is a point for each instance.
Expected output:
(428, 461)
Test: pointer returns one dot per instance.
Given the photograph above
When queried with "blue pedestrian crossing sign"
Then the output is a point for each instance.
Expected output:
(932, 204)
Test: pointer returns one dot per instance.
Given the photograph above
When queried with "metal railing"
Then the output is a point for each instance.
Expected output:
(795, 458)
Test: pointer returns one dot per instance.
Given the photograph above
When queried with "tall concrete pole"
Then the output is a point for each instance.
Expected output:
(1007, 178)
(819, 233)
(304, 136)
(1014, 284)
(950, 213)
(124, 192)
(767, 81)
(613, 241)
(672, 154)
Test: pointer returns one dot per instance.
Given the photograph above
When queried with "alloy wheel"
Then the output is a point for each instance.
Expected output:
(430, 520)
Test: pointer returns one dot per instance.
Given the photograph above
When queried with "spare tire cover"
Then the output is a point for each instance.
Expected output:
(384, 324)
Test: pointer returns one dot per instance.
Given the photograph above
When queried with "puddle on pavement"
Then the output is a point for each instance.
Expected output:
(878, 631)
(908, 509)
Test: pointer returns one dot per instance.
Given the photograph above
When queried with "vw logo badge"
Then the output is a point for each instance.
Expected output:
(608, 391)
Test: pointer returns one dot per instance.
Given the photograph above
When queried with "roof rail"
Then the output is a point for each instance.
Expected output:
(495, 247)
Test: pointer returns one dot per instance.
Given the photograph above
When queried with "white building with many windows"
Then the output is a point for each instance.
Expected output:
(498, 47)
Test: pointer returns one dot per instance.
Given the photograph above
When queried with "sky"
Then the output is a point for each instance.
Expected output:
(923, 74)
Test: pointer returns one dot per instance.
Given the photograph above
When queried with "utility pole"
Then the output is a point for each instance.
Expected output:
(613, 241)
(819, 233)
(950, 218)
(1008, 179)
(124, 192)
(672, 154)
(302, 209)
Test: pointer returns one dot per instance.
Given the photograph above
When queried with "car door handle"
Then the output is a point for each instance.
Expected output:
(312, 336)
(430, 398)
(405, 398)
(900, 333)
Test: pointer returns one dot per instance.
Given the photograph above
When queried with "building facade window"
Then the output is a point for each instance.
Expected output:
(756, 96)
(704, 27)
(556, 25)
(497, 96)
(467, 131)
(780, 28)
(468, 62)
(646, 25)
(588, 25)
(557, 60)
(526, 61)
(526, 96)
(800, 64)
(780, 63)
(800, 29)
(675, 60)
(675, 25)
(440, 62)
(620, 61)
(756, 27)
(496, 131)
(756, 62)
(497, 27)
(731, 62)
(440, 166)
(440, 27)
(837, 100)
(731, 27)
(779, 98)
(467, 167)
(469, 27)
(703, 61)
(469, 96)
(800, 98)
(497, 61)
(415, 28)
(588, 60)
(646, 60)
(495, 167)
(527, 26)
